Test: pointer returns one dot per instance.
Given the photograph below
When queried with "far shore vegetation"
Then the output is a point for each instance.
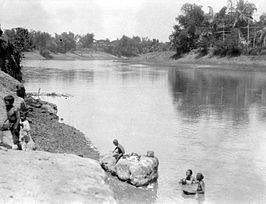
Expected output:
(231, 32)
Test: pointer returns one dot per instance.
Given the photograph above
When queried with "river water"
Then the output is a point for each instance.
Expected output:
(207, 119)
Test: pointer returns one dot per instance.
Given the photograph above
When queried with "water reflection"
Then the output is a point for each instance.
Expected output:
(126, 193)
(202, 92)
(210, 121)
(200, 198)
(49, 75)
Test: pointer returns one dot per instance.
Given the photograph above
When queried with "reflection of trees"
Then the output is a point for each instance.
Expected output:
(138, 72)
(197, 92)
(45, 75)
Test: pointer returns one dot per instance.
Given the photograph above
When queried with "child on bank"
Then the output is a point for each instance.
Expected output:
(119, 150)
(25, 137)
(12, 121)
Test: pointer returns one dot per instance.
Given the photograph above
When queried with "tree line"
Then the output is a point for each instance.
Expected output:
(25, 40)
(230, 32)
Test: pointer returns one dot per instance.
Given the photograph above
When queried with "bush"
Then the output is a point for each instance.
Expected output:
(254, 51)
(46, 53)
(233, 51)
(263, 52)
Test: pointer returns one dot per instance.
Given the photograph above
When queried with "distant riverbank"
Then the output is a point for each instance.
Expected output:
(164, 59)
(75, 55)
(157, 58)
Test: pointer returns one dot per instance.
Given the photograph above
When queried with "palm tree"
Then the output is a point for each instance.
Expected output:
(262, 37)
(242, 12)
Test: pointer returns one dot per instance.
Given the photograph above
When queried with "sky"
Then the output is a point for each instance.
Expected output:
(105, 18)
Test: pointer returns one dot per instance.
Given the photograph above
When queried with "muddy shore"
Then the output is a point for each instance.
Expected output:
(53, 136)
(164, 59)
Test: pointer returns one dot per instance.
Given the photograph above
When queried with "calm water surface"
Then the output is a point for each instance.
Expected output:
(209, 120)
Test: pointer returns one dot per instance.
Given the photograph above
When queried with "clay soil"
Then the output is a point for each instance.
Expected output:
(52, 136)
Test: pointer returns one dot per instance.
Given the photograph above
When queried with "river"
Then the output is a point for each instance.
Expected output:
(207, 119)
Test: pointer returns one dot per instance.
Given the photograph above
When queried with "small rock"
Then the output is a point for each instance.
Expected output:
(150, 153)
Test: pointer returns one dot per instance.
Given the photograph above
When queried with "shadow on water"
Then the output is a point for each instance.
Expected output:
(126, 193)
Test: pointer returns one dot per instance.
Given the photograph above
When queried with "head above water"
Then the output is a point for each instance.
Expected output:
(9, 100)
(115, 142)
(199, 176)
(189, 172)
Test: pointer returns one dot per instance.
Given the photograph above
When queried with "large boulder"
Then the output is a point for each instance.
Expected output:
(138, 170)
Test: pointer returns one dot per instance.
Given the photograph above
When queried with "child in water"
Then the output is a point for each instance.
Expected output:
(189, 178)
(13, 119)
(200, 182)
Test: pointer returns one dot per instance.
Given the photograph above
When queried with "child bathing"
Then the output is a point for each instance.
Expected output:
(200, 182)
(189, 178)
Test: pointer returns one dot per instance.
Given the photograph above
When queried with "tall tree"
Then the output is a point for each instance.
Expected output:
(242, 13)
(65, 42)
(184, 37)
(20, 38)
(86, 41)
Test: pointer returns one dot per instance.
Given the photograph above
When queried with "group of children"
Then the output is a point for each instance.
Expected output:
(119, 151)
(19, 127)
(190, 180)
(16, 123)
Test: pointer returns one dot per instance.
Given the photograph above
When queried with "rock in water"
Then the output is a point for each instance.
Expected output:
(135, 169)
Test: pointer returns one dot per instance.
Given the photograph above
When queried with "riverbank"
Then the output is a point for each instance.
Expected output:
(63, 169)
(165, 59)
(52, 136)
(74, 55)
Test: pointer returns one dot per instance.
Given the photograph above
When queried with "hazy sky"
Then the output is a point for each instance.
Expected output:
(105, 18)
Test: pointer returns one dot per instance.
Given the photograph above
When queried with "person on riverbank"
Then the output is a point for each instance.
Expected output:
(200, 182)
(189, 179)
(25, 138)
(12, 121)
(119, 150)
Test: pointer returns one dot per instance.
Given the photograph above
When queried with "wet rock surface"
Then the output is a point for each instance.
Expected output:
(138, 170)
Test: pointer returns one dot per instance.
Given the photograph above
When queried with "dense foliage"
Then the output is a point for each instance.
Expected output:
(230, 32)
(25, 40)
(10, 58)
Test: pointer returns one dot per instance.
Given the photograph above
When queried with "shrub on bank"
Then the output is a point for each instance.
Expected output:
(46, 53)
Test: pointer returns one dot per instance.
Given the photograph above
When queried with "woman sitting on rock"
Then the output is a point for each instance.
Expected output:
(119, 150)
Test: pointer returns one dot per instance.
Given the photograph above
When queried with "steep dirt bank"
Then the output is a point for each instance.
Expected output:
(47, 132)
(75, 55)
(164, 59)
(43, 177)
(52, 136)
